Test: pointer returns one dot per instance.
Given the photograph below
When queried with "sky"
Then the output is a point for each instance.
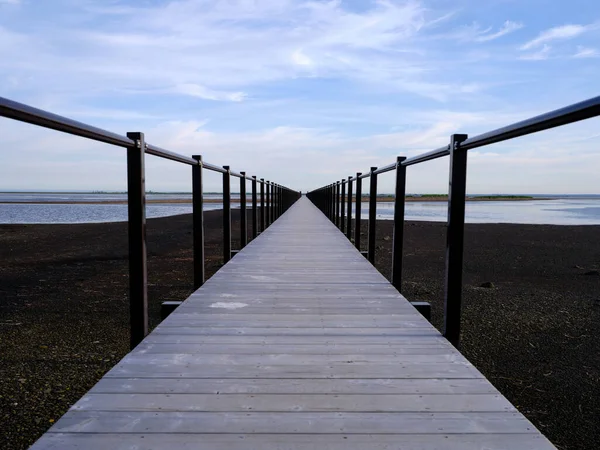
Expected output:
(302, 93)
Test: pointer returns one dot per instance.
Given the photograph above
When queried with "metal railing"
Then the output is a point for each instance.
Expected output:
(336, 203)
(273, 202)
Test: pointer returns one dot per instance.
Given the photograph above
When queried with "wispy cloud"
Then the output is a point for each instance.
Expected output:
(219, 51)
(540, 55)
(586, 52)
(195, 90)
(557, 33)
(508, 27)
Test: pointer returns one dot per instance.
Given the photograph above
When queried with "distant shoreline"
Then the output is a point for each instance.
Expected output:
(365, 199)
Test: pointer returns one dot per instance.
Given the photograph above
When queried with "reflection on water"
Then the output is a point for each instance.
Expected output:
(43, 197)
(560, 211)
(72, 213)
(554, 212)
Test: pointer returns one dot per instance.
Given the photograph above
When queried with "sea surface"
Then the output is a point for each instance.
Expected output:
(40, 208)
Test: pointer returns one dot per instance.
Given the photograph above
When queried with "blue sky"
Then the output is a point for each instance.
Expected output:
(301, 92)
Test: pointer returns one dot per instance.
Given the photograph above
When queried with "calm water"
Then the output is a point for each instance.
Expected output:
(560, 211)
(39, 210)
(554, 212)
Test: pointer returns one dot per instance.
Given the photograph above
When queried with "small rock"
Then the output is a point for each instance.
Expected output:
(387, 238)
(593, 273)
(487, 284)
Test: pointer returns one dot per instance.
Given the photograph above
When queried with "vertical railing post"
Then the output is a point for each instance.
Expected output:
(136, 208)
(278, 201)
(275, 201)
(198, 222)
(254, 207)
(262, 205)
(281, 200)
(455, 239)
(226, 214)
(337, 204)
(268, 203)
(329, 203)
(243, 212)
(343, 207)
(398, 237)
(271, 202)
(332, 207)
(358, 211)
(372, 216)
(349, 210)
(329, 199)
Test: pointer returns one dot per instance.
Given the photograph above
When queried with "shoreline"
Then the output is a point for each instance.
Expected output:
(365, 199)
(533, 334)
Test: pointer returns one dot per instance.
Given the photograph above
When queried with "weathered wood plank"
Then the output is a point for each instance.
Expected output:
(339, 370)
(294, 386)
(285, 331)
(161, 360)
(405, 339)
(356, 402)
(181, 441)
(295, 422)
(299, 349)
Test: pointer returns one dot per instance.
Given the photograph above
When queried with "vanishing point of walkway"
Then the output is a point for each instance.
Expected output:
(296, 343)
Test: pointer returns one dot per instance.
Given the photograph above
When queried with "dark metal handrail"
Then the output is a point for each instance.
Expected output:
(328, 197)
(277, 200)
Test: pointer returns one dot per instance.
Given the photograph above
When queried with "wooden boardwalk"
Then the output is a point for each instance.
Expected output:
(296, 343)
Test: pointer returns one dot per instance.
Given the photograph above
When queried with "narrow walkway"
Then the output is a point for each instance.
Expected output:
(296, 343)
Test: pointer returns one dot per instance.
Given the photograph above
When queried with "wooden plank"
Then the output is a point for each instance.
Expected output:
(299, 349)
(296, 343)
(405, 339)
(295, 403)
(161, 360)
(340, 370)
(181, 441)
(295, 422)
(293, 386)
(360, 323)
(284, 331)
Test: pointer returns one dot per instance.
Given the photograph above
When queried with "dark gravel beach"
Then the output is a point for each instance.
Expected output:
(533, 331)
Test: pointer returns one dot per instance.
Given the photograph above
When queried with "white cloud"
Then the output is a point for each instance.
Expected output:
(475, 33)
(300, 58)
(540, 55)
(556, 33)
(508, 27)
(196, 90)
(220, 50)
(586, 52)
